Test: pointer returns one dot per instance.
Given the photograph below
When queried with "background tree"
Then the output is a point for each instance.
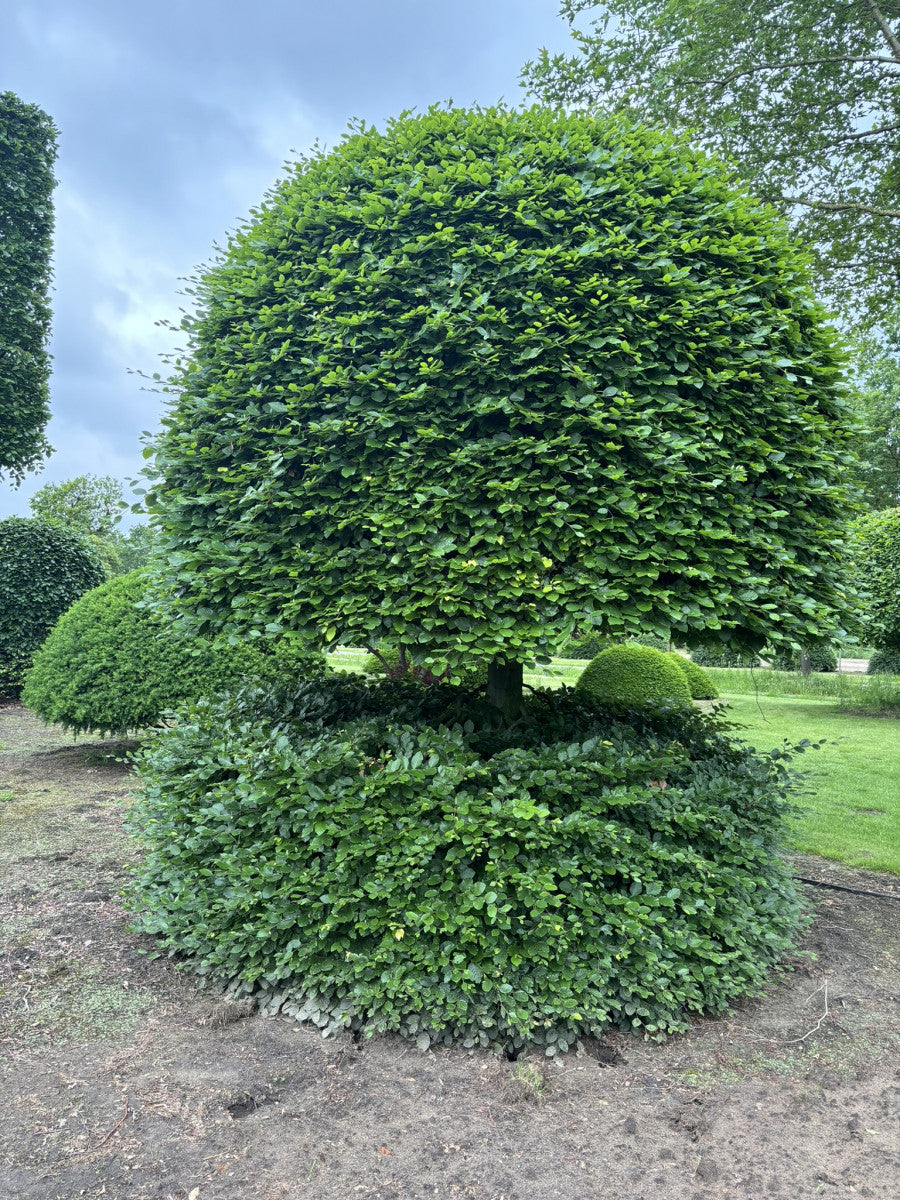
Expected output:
(803, 95)
(27, 155)
(91, 506)
(487, 376)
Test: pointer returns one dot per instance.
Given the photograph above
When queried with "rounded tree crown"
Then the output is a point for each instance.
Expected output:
(487, 375)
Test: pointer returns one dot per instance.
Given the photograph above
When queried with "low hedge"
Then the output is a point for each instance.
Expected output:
(884, 662)
(719, 656)
(109, 666)
(823, 659)
(350, 855)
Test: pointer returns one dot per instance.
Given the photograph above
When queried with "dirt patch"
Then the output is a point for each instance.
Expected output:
(121, 1080)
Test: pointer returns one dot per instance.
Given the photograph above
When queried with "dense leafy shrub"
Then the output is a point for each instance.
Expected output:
(722, 656)
(486, 374)
(109, 666)
(821, 658)
(43, 570)
(631, 676)
(884, 662)
(876, 558)
(699, 681)
(388, 662)
(351, 857)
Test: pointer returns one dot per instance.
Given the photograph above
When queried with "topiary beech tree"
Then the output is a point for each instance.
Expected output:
(488, 375)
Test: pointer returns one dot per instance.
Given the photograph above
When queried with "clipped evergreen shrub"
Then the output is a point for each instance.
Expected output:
(884, 662)
(108, 666)
(699, 681)
(351, 857)
(633, 676)
(821, 658)
(721, 656)
(43, 570)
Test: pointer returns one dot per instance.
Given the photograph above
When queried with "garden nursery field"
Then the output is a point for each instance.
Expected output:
(122, 1079)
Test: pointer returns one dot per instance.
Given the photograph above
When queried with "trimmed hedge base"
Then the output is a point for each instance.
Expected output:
(350, 857)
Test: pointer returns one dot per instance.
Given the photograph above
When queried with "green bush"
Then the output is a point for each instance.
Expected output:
(389, 664)
(110, 667)
(632, 676)
(876, 565)
(720, 656)
(821, 658)
(699, 681)
(884, 662)
(350, 857)
(43, 570)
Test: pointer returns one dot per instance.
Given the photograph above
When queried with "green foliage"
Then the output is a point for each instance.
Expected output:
(884, 662)
(876, 561)
(584, 646)
(135, 546)
(111, 667)
(354, 863)
(43, 570)
(87, 504)
(801, 95)
(699, 681)
(820, 658)
(633, 676)
(488, 375)
(877, 404)
(389, 661)
(722, 656)
(27, 152)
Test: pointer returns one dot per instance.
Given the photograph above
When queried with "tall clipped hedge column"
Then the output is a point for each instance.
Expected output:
(487, 375)
(43, 571)
(876, 563)
(27, 156)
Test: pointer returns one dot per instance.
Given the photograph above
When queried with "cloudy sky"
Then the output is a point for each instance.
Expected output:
(175, 116)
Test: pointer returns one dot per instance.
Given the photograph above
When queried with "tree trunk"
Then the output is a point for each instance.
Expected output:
(805, 665)
(504, 687)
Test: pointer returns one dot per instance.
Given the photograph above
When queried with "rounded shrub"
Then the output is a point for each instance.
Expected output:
(699, 681)
(350, 857)
(884, 662)
(43, 570)
(722, 656)
(484, 374)
(821, 658)
(633, 676)
(109, 666)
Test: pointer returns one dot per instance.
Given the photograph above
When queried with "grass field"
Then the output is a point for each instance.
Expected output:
(851, 791)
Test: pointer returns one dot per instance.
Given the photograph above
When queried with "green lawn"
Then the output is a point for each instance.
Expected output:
(852, 788)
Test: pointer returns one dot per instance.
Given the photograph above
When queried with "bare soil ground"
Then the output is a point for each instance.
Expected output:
(119, 1079)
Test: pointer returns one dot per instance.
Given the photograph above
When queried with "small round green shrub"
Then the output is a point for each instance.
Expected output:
(699, 681)
(351, 858)
(389, 664)
(109, 667)
(821, 658)
(884, 662)
(632, 676)
(43, 570)
(720, 656)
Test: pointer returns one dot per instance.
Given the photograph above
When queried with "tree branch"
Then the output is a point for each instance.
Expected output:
(889, 36)
(825, 206)
(790, 64)
(866, 133)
